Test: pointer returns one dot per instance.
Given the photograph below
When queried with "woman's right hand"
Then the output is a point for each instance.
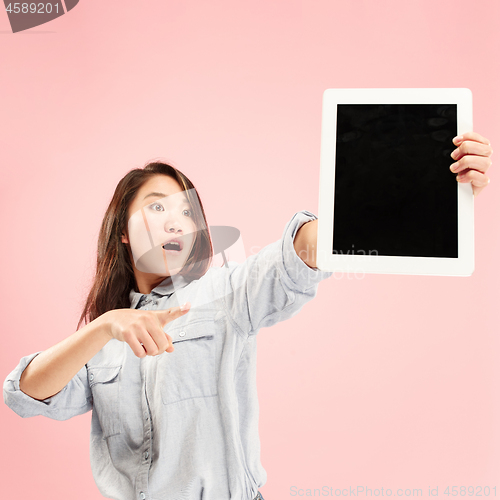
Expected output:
(136, 327)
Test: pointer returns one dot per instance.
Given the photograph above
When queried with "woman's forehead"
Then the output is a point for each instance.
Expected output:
(160, 183)
(159, 186)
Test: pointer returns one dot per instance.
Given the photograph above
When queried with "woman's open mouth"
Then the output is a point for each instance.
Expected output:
(173, 246)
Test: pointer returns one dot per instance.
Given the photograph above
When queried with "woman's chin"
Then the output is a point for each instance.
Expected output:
(162, 263)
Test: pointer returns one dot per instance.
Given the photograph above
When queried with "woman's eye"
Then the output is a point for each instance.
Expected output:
(189, 212)
(157, 205)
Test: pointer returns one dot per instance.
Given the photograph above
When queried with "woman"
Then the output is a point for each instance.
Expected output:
(177, 422)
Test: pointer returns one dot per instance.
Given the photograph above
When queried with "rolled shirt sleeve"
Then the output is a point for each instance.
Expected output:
(73, 399)
(272, 285)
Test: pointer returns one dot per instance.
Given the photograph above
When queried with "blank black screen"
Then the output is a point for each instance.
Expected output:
(394, 191)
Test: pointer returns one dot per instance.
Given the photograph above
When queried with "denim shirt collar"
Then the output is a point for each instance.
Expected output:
(167, 287)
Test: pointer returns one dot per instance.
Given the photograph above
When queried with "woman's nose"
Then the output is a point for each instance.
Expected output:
(173, 226)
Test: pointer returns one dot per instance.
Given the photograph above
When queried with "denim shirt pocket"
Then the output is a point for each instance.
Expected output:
(105, 386)
(189, 371)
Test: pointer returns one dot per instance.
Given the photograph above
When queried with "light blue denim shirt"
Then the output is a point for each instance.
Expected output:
(184, 425)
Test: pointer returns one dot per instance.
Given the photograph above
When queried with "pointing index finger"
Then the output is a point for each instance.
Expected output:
(167, 315)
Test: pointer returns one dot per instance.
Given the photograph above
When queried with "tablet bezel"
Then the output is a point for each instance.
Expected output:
(383, 264)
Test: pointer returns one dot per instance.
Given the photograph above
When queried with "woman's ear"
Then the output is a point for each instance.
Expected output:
(124, 238)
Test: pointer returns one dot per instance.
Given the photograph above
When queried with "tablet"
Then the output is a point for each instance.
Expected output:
(388, 202)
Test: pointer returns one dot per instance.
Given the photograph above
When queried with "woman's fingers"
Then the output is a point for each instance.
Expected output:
(470, 136)
(471, 148)
(155, 340)
(150, 344)
(480, 163)
(162, 339)
(478, 180)
(472, 160)
(136, 346)
(143, 330)
(170, 346)
(166, 315)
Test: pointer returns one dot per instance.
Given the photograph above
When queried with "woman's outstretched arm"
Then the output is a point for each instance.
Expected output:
(305, 243)
(274, 284)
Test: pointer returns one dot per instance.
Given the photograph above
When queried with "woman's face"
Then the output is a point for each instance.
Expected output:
(161, 228)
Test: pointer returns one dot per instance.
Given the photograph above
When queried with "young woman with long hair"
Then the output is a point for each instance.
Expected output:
(167, 358)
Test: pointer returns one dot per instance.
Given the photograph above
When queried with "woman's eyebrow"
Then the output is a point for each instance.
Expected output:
(154, 194)
(162, 195)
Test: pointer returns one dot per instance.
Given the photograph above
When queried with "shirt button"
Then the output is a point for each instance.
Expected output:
(142, 495)
(91, 377)
(155, 302)
(181, 334)
(146, 455)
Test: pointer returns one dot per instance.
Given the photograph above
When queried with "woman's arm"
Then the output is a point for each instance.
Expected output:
(305, 243)
(51, 370)
(274, 284)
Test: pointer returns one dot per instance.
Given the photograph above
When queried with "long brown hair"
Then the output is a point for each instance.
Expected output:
(114, 275)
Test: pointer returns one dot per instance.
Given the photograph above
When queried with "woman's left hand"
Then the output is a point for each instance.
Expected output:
(472, 160)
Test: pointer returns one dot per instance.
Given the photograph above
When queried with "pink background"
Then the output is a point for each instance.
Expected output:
(387, 381)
